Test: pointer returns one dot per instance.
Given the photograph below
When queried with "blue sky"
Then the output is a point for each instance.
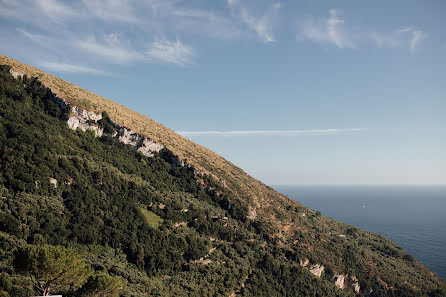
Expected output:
(293, 92)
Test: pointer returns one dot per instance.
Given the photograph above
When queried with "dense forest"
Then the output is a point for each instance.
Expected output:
(131, 225)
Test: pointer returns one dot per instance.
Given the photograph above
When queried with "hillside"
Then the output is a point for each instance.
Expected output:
(167, 216)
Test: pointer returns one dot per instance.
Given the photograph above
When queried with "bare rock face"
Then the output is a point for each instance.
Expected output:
(317, 269)
(345, 281)
(353, 283)
(53, 181)
(15, 74)
(84, 120)
(88, 120)
(252, 213)
(356, 287)
(148, 146)
(339, 281)
(129, 137)
(204, 261)
(304, 263)
(86, 115)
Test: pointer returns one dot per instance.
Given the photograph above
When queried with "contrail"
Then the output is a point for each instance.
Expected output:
(270, 132)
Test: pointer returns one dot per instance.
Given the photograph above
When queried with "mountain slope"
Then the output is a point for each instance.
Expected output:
(200, 157)
(169, 227)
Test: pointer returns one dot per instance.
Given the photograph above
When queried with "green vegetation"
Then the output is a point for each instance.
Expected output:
(147, 228)
(102, 285)
(51, 268)
(152, 219)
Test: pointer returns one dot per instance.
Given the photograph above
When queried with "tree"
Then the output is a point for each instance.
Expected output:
(51, 267)
(102, 285)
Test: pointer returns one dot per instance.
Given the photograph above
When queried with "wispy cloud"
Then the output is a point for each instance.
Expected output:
(57, 10)
(262, 26)
(174, 52)
(110, 48)
(326, 30)
(138, 23)
(112, 10)
(70, 68)
(37, 38)
(417, 37)
(40, 13)
(406, 37)
(271, 132)
(200, 22)
(128, 31)
(332, 30)
(387, 40)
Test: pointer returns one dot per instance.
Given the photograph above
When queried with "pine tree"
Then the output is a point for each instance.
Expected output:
(51, 268)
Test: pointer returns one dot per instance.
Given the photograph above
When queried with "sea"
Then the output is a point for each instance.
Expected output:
(412, 216)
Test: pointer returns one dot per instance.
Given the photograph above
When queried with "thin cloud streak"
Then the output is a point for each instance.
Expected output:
(271, 132)
(42, 40)
(71, 68)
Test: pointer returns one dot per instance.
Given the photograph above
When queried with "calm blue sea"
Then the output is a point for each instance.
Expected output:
(412, 216)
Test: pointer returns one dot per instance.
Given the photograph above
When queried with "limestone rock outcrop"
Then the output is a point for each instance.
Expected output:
(304, 263)
(339, 281)
(88, 121)
(84, 120)
(317, 269)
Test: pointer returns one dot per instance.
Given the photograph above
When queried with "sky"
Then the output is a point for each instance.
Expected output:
(294, 92)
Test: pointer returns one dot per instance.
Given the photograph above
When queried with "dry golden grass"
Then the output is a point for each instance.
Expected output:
(259, 196)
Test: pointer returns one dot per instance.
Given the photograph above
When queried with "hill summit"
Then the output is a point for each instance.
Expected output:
(139, 210)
